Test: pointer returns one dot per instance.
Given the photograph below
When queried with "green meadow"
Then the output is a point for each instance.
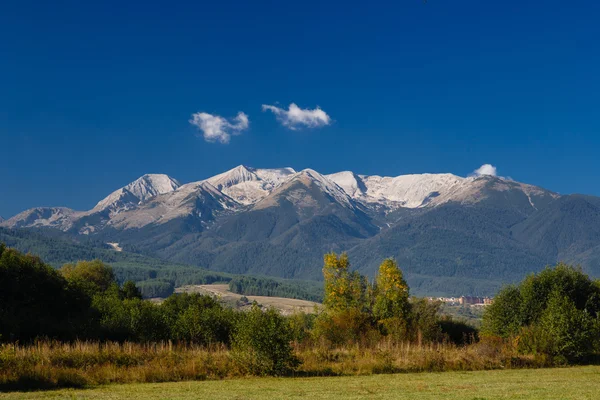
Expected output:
(553, 383)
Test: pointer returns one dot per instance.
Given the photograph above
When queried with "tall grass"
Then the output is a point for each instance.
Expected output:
(51, 364)
(389, 357)
(47, 365)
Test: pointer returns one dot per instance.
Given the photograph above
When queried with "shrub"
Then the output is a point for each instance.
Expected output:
(345, 327)
(301, 325)
(568, 333)
(554, 313)
(458, 332)
(92, 276)
(199, 319)
(503, 317)
(37, 301)
(204, 325)
(424, 324)
(261, 343)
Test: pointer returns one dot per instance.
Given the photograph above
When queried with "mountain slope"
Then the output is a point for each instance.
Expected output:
(568, 229)
(450, 234)
(86, 222)
(414, 191)
(57, 251)
(303, 199)
(408, 191)
(54, 217)
(198, 201)
(285, 234)
(452, 241)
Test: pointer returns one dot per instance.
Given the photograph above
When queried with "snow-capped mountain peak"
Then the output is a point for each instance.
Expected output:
(274, 176)
(200, 200)
(350, 182)
(157, 198)
(59, 217)
(249, 185)
(410, 191)
(310, 176)
(138, 191)
(151, 185)
(234, 176)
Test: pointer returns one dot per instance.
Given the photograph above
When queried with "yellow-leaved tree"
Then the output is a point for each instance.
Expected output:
(391, 307)
(337, 282)
(346, 317)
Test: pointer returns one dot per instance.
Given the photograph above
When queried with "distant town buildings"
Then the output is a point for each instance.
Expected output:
(465, 300)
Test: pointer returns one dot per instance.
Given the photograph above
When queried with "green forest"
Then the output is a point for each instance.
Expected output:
(154, 277)
(257, 286)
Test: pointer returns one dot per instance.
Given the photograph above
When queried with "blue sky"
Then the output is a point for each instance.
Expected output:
(95, 94)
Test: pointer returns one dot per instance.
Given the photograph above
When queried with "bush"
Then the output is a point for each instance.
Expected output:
(424, 323)
(301, 325)
(458, 332)
(261, 344)
(199, 319)
(91, 276)
(554, 313)
(503, 317)
(37, 301)
(568, 333)
(345, 327)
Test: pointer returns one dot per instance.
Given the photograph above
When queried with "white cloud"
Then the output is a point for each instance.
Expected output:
(218, 129)
(295, 117)
(486, 169)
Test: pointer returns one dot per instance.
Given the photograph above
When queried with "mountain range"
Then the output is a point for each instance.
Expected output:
(450, 234)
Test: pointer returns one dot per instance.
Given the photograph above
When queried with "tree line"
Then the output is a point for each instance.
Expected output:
(554, 314)
(83, 301)
(255, 286)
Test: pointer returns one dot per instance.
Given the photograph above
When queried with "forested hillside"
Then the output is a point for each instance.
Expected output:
(154, 277)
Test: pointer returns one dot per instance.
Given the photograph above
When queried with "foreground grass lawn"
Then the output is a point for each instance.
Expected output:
(560, 383)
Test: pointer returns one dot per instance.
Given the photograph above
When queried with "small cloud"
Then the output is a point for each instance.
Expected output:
(295, 117)
(485, 169)
(218, 129)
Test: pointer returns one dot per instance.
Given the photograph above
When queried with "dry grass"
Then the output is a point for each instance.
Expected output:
(52, 365)
(389, 357)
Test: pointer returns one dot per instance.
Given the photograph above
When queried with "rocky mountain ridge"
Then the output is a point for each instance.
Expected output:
(158, 198)
(473, 233)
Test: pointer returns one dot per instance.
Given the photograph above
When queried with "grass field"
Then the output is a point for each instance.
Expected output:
(559, 383)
